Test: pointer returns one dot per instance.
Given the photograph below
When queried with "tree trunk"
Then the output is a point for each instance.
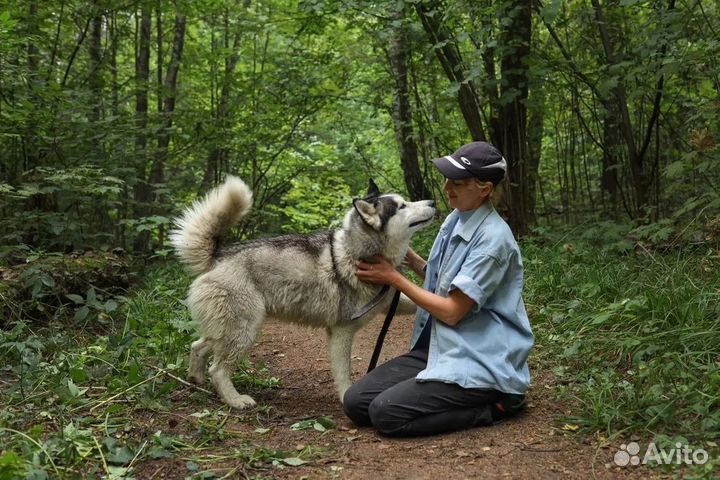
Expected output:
(113, 33)
(448, 54)
(510, 130)
(170, 90)
(625, 125)
(160, 56)
(515, 40)
(610, 162)
(142, 80)
(217, 158)
(95, 80)
(157, 174)
(30, 146)
(536, 125)
(637, 151)
(402, 111)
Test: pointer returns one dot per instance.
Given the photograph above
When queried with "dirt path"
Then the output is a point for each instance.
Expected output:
(527, 447)
(530, 447)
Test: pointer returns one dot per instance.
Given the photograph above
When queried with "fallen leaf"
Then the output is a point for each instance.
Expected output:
(293, 461)
(571, 428)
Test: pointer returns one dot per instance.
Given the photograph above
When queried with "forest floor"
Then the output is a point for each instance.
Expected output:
(537, 445)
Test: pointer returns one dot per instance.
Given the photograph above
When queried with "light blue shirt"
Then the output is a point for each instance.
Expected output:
(489, 347)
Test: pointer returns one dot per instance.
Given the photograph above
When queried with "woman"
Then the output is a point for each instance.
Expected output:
(468, 362)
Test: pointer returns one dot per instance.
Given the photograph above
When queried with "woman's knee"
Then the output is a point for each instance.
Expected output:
(384, 418)
(355, 406)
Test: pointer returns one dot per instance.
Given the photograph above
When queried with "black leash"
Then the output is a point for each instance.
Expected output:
(383, 331)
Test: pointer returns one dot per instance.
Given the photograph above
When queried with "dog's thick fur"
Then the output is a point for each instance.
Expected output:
(307, 279)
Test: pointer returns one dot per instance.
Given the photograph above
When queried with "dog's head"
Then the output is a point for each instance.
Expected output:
(391, 214)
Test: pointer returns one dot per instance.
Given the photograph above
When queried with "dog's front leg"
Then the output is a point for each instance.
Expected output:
(340, 347)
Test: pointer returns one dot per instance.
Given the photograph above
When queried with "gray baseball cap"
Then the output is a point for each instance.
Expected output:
(477, 159)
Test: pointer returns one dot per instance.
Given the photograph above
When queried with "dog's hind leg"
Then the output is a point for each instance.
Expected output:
(242, 315)
(340, 339)
(227, 353)
(230, 317)
(221, 376)
(199, 350)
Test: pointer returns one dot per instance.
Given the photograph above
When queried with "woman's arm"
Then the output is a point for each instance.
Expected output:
(450, 310)
(415, 262)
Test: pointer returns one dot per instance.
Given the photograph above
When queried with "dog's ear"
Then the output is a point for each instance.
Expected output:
(368, 213)
(373, 190)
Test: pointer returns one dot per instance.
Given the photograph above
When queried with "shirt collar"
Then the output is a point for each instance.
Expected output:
(476, 219)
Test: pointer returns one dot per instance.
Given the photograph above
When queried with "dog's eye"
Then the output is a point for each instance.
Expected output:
(402, 206)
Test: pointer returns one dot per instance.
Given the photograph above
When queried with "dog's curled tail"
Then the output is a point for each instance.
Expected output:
(197, 231)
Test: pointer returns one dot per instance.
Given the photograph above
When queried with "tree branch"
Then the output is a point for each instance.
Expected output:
(567, 55)
(80, 41)
(655, 116)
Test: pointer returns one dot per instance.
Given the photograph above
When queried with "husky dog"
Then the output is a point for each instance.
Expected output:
(306, 279)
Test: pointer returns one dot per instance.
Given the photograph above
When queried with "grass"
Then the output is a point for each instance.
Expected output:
(80, 398)
(634, 337)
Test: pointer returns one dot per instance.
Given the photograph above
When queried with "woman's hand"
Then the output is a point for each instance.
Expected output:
(380, 271)
(450, 310)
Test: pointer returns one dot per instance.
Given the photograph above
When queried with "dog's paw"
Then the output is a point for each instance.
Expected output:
(241, 402)
(341, 391)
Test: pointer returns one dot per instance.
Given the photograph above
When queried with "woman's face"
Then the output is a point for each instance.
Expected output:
(467, 194)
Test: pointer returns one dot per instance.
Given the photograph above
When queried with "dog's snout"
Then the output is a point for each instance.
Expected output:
(431, 203)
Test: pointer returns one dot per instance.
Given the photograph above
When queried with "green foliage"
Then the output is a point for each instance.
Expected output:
(65, 198)
(314, 201)
(91, 303)
(296, 98)
(597, 100)
(322, 424)
(633, 335)
(78, 401)
(49, 285)
(278, 97)
(422, 241)
(11, 465)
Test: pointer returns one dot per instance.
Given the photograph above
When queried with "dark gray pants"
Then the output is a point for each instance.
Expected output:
(391, 400)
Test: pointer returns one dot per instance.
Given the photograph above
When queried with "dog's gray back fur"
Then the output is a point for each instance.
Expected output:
(306, 279)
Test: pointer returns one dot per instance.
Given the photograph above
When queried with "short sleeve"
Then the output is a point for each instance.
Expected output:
(479, 277)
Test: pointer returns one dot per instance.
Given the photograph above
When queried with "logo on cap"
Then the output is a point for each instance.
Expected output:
(465, 160)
